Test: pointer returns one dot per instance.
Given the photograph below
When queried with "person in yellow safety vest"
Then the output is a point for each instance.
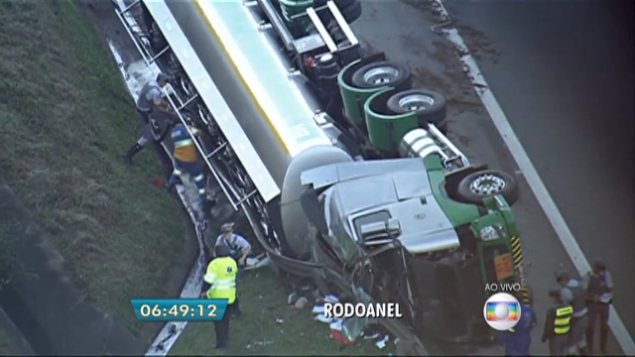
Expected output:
(579, 318)
(558, 323)
(220, 283)
(186, 160)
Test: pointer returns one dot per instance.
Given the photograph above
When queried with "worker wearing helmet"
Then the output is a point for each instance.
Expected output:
(579, 317)
(220, 283)
(152, 112)
(186, 160)
(239, 249)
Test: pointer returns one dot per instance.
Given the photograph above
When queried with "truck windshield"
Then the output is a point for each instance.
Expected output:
(341, 241)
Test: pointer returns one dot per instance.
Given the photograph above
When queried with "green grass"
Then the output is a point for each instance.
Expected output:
(257, 332)
(8, 346)
(65, 120)
(263, 300)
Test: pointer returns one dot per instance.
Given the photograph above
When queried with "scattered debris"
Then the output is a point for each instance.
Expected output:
(372, 336)
(264, 342)
(293, 297)
(347, 331)
(257, 262)
(301, 303)
(382, 343)
(323, 318)
(160, 183)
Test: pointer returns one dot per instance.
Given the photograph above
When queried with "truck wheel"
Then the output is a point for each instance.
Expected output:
(429, 105)
(342, 4)
(352, 12)
(380, 74)
(475, 186)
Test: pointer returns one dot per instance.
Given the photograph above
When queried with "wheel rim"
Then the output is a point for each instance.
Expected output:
(487, 184)
(381, 75)
(416, 102)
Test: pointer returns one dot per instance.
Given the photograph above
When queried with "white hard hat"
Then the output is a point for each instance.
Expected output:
(226, 227)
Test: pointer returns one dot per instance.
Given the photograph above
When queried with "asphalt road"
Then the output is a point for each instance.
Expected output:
(556, 71)
(563, 74)
(564, 77)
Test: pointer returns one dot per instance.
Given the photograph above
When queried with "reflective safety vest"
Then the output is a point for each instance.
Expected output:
(221, 275)
(562, 321)
(184, 147)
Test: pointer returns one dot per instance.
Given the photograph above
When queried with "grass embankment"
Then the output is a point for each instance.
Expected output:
(259, 332)
(269, 326)
(8, 346)
(65, 119)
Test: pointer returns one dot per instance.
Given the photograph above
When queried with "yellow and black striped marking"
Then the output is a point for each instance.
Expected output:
(517, 256)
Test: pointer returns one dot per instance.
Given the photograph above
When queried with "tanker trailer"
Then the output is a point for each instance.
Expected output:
(342, 168)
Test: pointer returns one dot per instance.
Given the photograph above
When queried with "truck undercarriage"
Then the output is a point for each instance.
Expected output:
(404, 217)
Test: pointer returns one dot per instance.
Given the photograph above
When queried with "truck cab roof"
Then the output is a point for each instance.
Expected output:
(360, 195)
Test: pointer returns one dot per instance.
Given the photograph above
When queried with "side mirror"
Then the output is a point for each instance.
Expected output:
(313, 210)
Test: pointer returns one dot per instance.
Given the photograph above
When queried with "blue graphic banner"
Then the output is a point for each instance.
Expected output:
(179, 309)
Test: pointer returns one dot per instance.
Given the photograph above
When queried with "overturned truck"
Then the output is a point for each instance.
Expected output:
(342, 167)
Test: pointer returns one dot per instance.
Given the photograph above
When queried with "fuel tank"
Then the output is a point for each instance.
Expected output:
(276, 112)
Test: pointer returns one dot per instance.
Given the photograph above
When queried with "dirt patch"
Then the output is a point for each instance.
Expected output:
(462, 99)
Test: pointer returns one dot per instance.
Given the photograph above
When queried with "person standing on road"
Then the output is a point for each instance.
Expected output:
(239, 249)
(558, 323)
(220, 283)
(150, 105)
(517, 340)
(186, 160)
(599, 296)
(579, 320)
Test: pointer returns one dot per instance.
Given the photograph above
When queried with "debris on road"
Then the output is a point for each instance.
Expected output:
(301, 303)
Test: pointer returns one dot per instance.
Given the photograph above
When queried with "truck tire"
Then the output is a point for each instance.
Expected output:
(352, 12)
(429, 106)
(342, 4)
(379, 74)
(477, 185)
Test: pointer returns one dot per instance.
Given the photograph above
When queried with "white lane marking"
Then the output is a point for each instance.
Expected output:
(526, 166)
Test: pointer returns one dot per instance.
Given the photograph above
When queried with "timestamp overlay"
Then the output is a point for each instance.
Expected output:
(179, 309)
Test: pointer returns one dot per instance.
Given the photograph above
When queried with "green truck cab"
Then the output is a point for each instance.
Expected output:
(392, 232)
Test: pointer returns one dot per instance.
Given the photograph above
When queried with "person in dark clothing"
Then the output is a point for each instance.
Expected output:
(599, 296)
(152, 112)
(579, 320)
(517, 340)
(239, 249)
(220, 283)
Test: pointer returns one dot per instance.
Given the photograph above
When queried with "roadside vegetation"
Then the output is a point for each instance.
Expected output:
(8, 346)
(65, 119)
(270, 326)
